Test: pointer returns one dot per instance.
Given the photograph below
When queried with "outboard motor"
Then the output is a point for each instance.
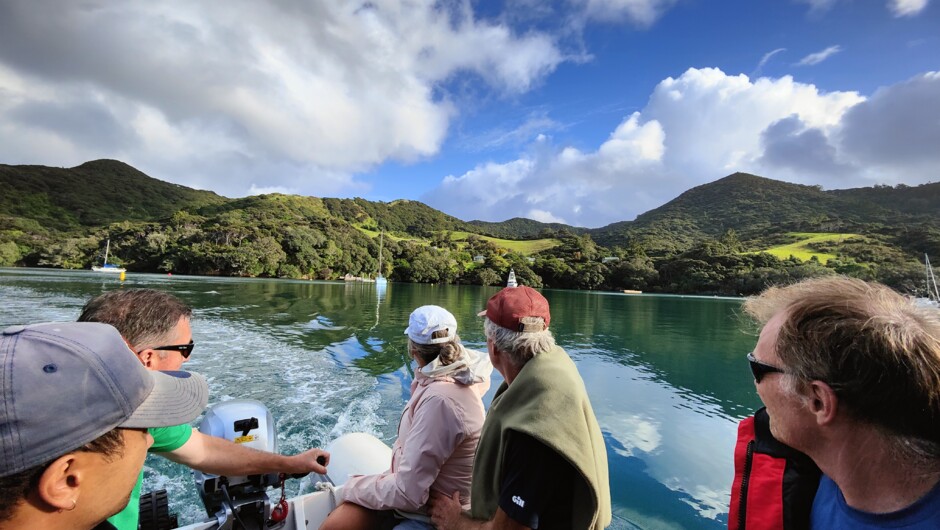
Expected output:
(240, 502)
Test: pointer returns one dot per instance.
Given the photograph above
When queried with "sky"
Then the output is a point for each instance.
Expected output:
(585, 112)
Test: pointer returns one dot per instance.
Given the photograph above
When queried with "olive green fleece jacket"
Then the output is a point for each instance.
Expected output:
(548, 402)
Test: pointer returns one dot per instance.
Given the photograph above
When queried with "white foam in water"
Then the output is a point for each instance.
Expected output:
(312, 399)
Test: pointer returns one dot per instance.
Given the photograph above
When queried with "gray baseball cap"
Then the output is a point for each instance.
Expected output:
(64, 384)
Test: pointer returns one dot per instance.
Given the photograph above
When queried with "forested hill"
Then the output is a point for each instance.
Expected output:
(916, 200)
(732, 236)
(521, 228)
(93, 194)
(753, 205)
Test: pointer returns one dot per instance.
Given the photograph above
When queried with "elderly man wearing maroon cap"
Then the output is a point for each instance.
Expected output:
(541, 461)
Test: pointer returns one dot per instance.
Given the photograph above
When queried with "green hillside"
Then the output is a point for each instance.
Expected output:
(753, 206)
(806, 245)
(93, 194)
(520, 228)
(734, 236)
(524, 247)
(401, 216)
(923, 200)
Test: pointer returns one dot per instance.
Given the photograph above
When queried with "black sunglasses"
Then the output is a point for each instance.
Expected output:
(760, 369)
(184, 349)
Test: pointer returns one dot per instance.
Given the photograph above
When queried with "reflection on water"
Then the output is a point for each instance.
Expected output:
(666, 375)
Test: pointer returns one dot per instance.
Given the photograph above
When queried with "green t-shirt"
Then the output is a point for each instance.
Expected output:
(165, 439)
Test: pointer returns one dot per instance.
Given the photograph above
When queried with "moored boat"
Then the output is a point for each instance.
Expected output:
(105, 266)
(933, 295)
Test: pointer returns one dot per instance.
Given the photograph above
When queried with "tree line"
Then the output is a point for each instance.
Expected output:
(278, 237)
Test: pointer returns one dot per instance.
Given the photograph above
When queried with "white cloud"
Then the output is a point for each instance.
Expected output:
(907, 8)
(766, 57)
(535, 123)
(640, 12)
(326, 89)
(896, 132)
(704, 125)
(818, 6)
(264, 190)
(820, 56)
(556, 184)
(544, 217)
(899, 8)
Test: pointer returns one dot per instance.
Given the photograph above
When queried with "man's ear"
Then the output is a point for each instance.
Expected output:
(59, 484)
(146, 356)
(824, 403)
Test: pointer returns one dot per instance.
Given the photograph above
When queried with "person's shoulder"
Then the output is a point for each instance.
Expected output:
(170, 438)
(171, 431)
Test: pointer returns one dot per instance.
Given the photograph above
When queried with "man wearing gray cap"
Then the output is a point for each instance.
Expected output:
(73, 420)
(541, 461)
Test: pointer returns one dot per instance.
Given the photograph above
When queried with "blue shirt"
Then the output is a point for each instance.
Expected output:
(831, 512)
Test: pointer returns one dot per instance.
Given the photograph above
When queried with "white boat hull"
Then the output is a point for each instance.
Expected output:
(350, 454)
(109, 269)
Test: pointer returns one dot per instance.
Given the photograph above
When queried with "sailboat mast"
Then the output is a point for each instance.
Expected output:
(931, 281)
(107, 250)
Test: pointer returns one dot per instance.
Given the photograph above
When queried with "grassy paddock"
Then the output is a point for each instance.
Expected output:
(801, 248)
(522, 247)
(375, 234)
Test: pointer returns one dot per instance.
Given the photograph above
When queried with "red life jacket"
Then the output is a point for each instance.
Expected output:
(774, 484)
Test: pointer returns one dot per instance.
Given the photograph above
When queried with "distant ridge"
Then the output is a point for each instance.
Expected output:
(101, 192)
(749, 203)
(95, 193)
(522, 228)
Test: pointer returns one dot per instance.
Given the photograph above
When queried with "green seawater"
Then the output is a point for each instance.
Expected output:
(666, 374)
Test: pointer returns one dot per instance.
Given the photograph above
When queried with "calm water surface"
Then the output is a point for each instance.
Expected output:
(666, 374)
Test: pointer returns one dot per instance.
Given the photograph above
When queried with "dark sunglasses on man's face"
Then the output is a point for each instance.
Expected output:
(760, 369)
(184, 349)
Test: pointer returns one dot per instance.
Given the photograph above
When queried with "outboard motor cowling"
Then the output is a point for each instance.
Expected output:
(239, 498)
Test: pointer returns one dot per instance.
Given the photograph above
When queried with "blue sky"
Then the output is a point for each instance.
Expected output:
(586, 112)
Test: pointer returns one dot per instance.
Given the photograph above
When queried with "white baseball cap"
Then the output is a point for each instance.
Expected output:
(427, 319)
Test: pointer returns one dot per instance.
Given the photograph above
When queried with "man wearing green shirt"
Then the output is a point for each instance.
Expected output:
(156, 326)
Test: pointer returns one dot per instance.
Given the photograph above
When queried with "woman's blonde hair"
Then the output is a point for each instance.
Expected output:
(447, 352)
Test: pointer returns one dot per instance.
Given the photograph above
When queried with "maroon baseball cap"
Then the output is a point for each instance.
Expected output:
(508, 307)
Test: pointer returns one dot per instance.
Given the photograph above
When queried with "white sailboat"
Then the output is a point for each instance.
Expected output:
(106, 267)
(933, 295)
(511, 282)
(379, 279)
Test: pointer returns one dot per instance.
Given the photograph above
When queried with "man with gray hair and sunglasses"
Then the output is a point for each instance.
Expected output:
(156, 326)
(541, 461)
(76, 408)
(849, 374)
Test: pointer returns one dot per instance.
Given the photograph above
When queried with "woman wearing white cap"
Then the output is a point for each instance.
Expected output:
(437, 436)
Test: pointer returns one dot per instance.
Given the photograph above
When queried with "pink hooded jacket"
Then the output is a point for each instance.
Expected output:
(437, 439)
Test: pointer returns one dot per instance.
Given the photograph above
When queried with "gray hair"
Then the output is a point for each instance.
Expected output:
(878, 352)
(521, 347)
(141, 316)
